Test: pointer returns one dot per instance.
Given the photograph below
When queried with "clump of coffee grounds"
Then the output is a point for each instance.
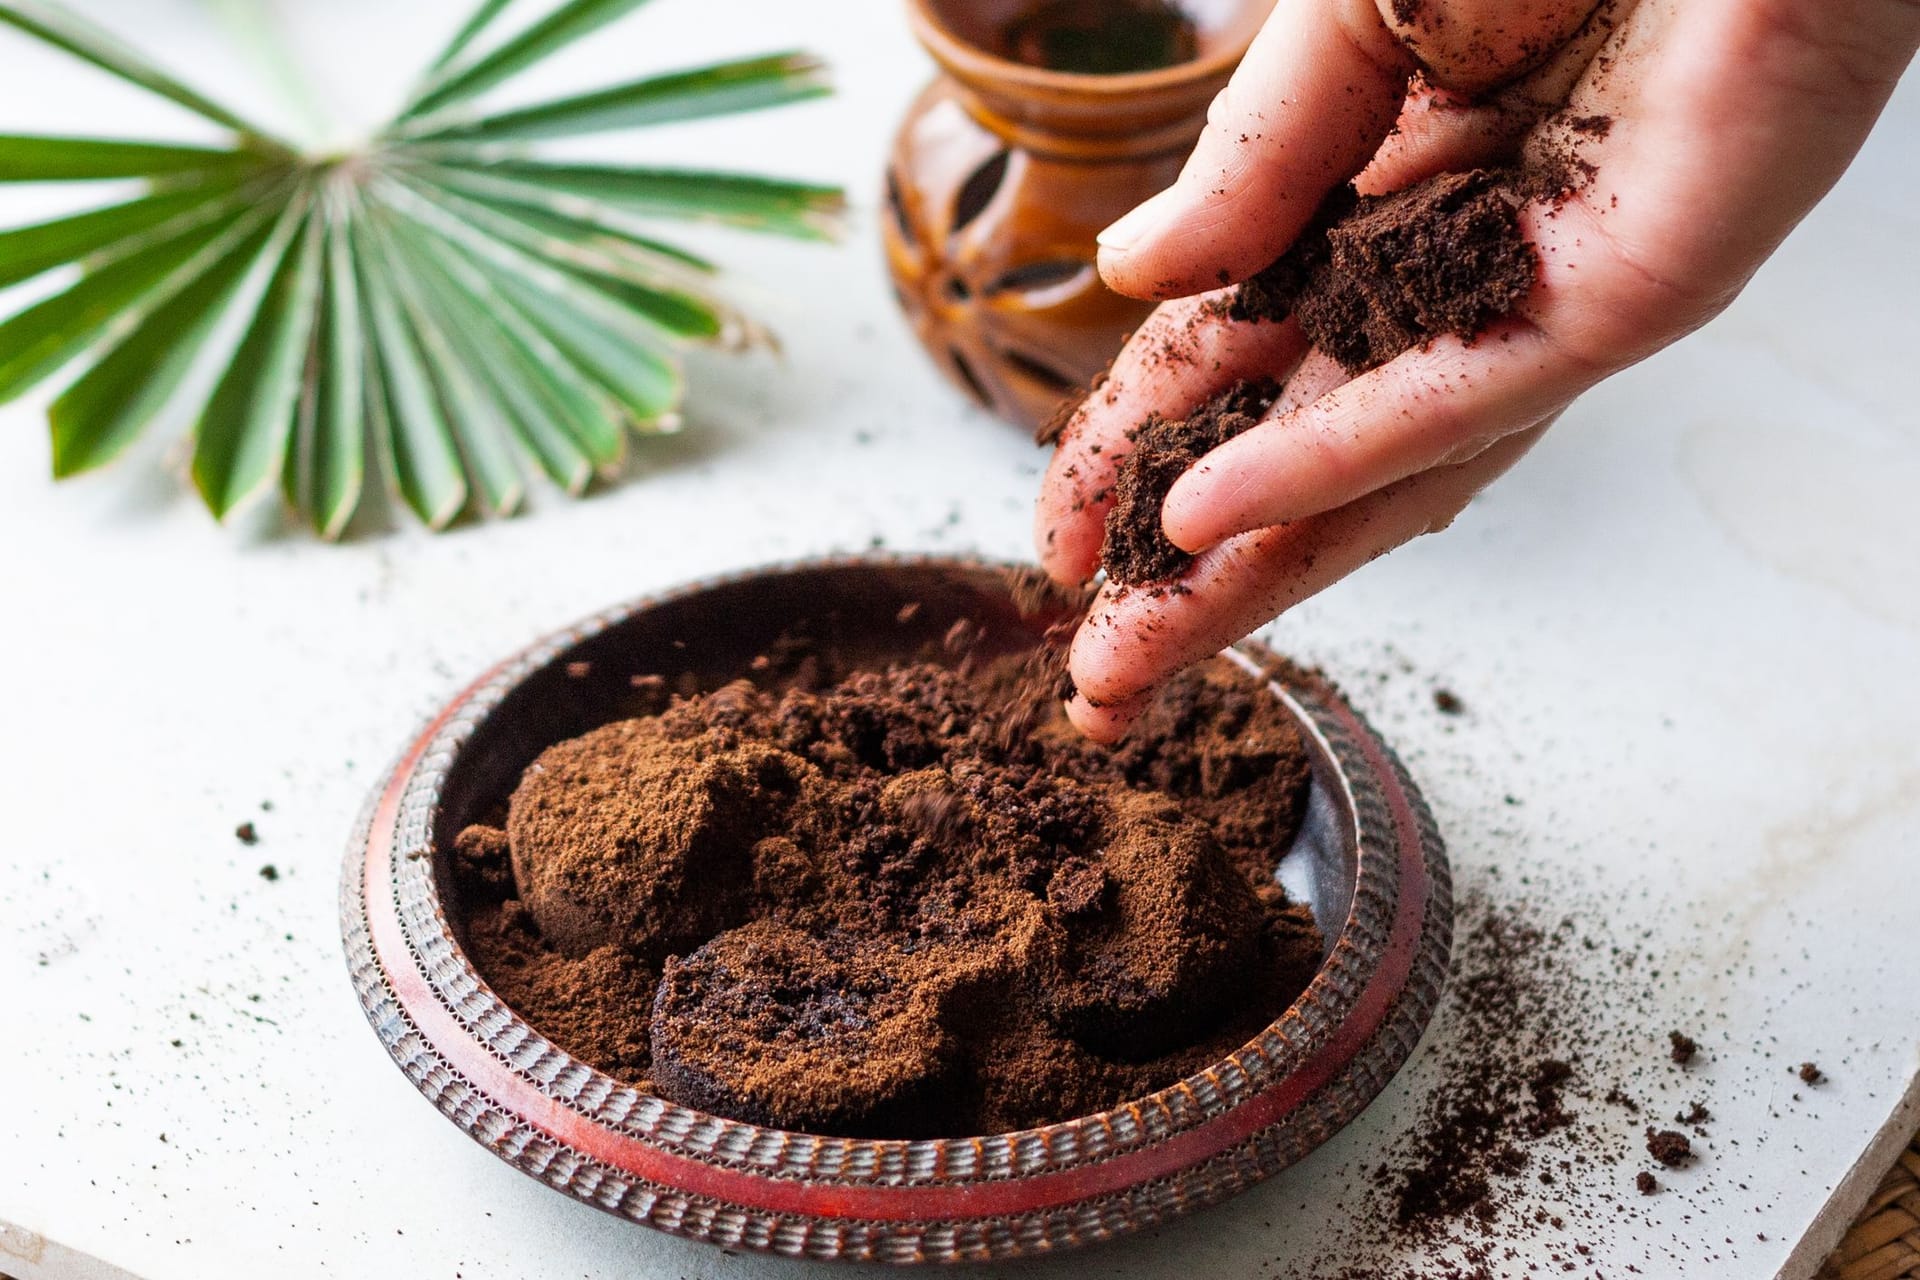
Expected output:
(900, 903)
(1372, 276)
(1681, 1047)
(1669, 1146)
(1137, 550)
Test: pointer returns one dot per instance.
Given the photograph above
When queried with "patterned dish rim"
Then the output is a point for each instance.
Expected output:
(1033, 1191)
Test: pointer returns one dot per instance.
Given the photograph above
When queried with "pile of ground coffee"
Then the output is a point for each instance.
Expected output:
(900, 903)
(1373, 276)
(1137, 550)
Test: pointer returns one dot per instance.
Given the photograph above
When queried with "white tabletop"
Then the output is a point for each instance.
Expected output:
(1685, 632)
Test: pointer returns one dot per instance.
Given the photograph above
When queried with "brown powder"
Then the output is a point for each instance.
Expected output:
(1499, 1098)
(1810, 1074)
(1681, 1047)
(1669, 1146)
(1373, 276)
(1137, 550)
(900, 903)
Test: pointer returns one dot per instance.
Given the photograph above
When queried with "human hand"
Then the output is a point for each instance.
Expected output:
(1725, 121)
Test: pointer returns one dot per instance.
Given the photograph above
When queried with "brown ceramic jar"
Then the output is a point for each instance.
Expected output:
(1001, 176)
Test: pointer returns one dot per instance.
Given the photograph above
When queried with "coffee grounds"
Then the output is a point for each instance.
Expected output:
(1810, 1074)
(774, 1026)
(1683, 1047)
(900, 903)
(1669, 1146)
(1484, 1173)
(1137, 550)
(1477, 1128)
(1646, 1182)
(1372, 276)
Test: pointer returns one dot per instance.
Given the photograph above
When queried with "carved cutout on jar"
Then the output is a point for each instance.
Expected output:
(977, 192)
(969, 377)
(1044, 374)
(1040, 277)
(897, 205)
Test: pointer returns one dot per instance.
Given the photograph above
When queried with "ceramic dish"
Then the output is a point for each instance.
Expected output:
(1368, 860)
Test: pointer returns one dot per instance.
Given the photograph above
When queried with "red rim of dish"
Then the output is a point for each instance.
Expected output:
(1033, 1191)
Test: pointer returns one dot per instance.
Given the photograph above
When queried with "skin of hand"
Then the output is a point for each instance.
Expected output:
(1729, 120)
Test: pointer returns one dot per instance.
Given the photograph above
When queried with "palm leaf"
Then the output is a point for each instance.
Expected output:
(240, 440)
(663, 290)
(511, 376)
(801, 209)
(477, 426)
(330, 460)
(748, 84)
(38, 341)
(476, 23)
(68, 31)
(131, 385)
(422, 462)
(561, 216)
(25, 252)
(460, 309)
(577, 405)
(456, 82)
(39, 159)
(617, 348)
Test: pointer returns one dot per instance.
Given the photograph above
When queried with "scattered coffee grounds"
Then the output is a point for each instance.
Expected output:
(1137, 550)
(1494, 1173)
(1373, 276)
(269, 873)
(246, 833)
(904, 902)
(1669, 1146)
(1498, 1098)
(1447, 702)
(1697, 1114)
(1810, 1073)
(1682, 1047)
(1101, 37)
(1646, 1182)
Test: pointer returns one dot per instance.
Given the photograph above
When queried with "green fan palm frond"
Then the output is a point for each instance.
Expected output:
(464, 309)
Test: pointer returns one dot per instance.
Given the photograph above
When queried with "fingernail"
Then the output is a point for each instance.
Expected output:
(1142, 221)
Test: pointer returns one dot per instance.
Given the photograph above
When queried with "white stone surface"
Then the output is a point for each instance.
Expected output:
(1685, 631)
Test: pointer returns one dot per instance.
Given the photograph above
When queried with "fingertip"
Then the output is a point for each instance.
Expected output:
(1185, 513)
(1121, 272)
(1105, 723)
(1067, 547)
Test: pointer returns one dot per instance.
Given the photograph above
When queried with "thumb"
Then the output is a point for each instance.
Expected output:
(1310, 103)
